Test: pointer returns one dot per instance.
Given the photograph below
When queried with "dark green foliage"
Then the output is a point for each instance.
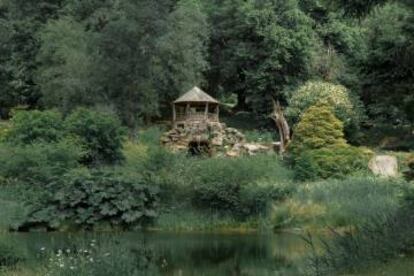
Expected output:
(38, 163)
(87, 199)
(183, 50)
(10, 255)
(100, 134)
(409, 173)
(29, 127)
(259, 47)
(334, 161)
(66, 65)
(388, 65)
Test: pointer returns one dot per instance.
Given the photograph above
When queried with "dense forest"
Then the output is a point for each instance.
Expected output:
(135, 57)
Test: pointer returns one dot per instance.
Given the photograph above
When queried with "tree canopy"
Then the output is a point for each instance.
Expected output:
(135, 57)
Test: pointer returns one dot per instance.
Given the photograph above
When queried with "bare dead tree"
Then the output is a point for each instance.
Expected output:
(282, 125)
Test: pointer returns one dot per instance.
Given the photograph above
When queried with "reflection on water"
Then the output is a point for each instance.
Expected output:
(207, 254)
(199, 254)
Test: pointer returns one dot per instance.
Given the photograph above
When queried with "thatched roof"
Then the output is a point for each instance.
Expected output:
(196, 95)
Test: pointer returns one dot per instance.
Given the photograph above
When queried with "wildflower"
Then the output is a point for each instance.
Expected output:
(42, 249)
(72, 268)
(61, 265)
(67, 250)
(91, 260)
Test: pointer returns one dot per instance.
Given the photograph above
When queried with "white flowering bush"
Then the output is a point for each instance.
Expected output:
(103, 259)
(347, 108)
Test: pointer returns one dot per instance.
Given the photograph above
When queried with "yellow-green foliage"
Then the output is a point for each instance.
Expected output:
(319, 149)
(318, 128)
(347, 109)
(333, 161)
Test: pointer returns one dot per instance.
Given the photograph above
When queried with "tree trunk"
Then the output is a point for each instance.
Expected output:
(282, 126)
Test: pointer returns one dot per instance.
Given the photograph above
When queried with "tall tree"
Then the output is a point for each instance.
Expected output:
(23, 20)
(262, 47)
(183, 49)
(389, 65)
(66, 55)
(127, 47)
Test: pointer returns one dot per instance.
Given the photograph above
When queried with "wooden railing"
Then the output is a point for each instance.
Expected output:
(198, 116)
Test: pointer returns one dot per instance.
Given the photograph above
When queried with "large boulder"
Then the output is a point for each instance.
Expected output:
(254, 148)
(384, 165)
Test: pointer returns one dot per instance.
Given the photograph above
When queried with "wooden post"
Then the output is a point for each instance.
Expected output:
(206, 112)
(187, 110)
(217, 112)
(174, 116)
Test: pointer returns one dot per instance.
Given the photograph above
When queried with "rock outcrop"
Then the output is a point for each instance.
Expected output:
(384, 165)
(213, 138)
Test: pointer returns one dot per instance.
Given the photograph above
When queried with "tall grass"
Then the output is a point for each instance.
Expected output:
(380, 237)
(337, 203)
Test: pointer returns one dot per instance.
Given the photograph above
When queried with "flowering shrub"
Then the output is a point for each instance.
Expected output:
(345, 107)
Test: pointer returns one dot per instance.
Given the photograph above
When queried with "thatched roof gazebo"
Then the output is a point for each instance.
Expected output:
(195, 106)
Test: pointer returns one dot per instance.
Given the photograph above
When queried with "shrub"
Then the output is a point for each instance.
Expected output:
(87, 199)
(38, 162)
(229, 185)
(318, 128)
(29, 127)
(333, 161)
(347, 108)
(349, 202)
(409, 173)
(100, 134)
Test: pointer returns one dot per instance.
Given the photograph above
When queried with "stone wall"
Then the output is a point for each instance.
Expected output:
(215, 138)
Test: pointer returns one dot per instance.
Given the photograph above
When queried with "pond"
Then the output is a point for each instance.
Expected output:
(209, 254)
